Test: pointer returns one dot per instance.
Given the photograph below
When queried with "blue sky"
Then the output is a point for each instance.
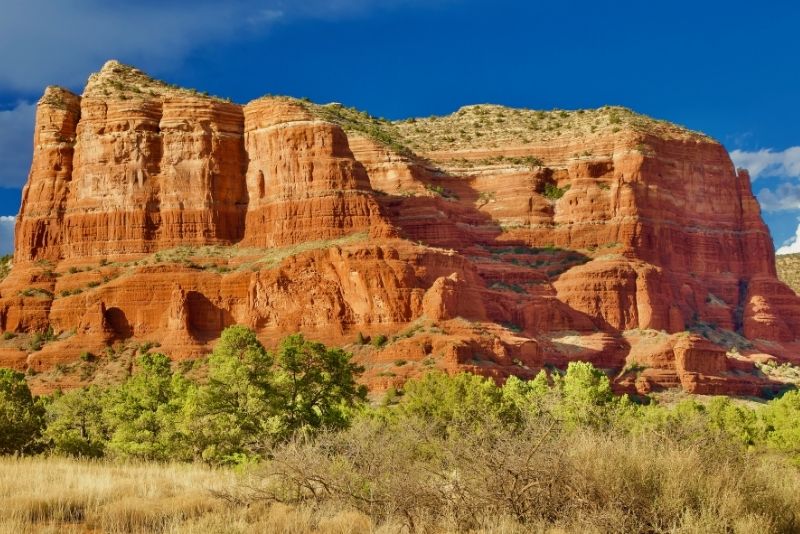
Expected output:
(730, 69)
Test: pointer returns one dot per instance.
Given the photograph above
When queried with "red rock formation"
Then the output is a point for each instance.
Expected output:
(39, 233)
(303, 181)
(157, 214)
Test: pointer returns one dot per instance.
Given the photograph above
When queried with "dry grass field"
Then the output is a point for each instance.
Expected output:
(598, 483)
(59, 495)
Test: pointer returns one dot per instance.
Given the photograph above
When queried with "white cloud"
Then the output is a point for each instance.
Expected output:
(766, 162)
(16, 144)
(785, 197)
(45, 42)
(792, 245)
(6, 234)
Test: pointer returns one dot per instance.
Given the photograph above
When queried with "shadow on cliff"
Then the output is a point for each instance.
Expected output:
(118, 323)
(206, 320)
(511, 268)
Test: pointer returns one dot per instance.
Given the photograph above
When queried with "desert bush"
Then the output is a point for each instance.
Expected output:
(5, 265)
(39, 339)
(537, 473)
(457, 453)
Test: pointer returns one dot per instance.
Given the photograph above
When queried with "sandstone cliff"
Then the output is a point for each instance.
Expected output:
(492, 240)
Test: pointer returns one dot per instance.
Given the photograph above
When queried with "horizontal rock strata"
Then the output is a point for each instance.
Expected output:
(492, 240)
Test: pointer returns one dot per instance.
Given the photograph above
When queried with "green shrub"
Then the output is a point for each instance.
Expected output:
(449, 403)
(553, 192)
(75, 424)
(314, 386)
(231, 415)
(37, 292)
(380, 340)
(38, 339)
(21, 416)
(255, 399)
(781, 417)
(143, 413)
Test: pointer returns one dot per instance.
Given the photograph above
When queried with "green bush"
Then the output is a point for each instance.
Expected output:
(38, 339)
(230, 416)
(75, 424)
(553, 192)
(782, 421)
(143, 413)
(21, 416)
(315, 386)
(449, 403)
(255, 399)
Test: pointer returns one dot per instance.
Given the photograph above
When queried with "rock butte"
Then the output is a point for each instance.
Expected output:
(493, 240)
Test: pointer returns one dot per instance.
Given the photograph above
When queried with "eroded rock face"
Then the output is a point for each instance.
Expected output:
(303, 182)
(156, 214)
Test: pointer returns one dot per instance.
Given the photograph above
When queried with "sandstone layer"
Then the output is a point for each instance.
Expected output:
(492, 240)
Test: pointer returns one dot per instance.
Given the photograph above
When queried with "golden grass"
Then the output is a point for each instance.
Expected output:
(41, 495)
(235, 257)
(39, 492)
(598, 482)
